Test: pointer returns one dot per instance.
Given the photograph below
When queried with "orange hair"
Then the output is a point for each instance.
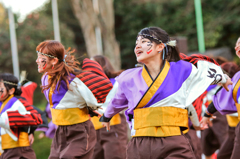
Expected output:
(65, 66)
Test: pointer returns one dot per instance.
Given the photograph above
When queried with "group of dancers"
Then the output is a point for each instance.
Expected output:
(161, 101)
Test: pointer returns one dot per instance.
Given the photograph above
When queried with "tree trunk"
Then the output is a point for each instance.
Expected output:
(89, 19)
(111, 46)
(83, 10)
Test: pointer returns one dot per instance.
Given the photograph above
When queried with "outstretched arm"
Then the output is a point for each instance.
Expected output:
(18, 119)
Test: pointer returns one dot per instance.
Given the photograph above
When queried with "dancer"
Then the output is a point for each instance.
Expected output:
(157, 96)
(111, 144)
(226, 148)
(17, 118)
(213, 137)
(72, 95)
(28, 88)
(227, 103)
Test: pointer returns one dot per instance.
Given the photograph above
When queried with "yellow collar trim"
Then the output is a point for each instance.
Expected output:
(154, 85)
(235, 90)
(147, 78)
(5, 102)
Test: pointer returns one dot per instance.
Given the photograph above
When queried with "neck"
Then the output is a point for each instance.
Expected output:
(154, 68)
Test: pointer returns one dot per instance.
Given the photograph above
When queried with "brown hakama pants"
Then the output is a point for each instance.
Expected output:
(74, 141)
(195, 142)
(236, 147)
(19, 153)
(213, 137)
(172, 147)
(226, 148)
(112, 144)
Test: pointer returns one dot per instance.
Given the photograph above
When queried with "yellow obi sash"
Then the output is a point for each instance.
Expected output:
(8, 142)
(69, 116)
(116, 119)
(160, 121)
(235, 90)
(232, 120)
(238, 110)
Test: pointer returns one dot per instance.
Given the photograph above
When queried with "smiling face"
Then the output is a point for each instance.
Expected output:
(3, 92)
(44, 63)
(146, 50)
(237, 47)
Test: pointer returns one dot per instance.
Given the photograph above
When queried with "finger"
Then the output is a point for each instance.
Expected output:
(32, 141)
(210, 124)
(225, 87)
(213, 117)
(108, 127)
(203, 126)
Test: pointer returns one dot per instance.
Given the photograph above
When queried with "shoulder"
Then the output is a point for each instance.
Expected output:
(21, 100)
(181, 63)
(181, 66)
(236, 76)
(44, 79)
(128, 74)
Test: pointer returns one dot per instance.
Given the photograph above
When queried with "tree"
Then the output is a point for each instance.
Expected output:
(36, 28)
(104, 19)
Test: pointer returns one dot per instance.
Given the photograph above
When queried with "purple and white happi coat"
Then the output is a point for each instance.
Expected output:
(181, 86)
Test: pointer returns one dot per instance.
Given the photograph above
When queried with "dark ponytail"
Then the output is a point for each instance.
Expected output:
(107, 66)
(11, 82)
(158, 35)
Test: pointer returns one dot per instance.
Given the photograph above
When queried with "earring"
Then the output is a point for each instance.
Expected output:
(159, 52)
(53, 67)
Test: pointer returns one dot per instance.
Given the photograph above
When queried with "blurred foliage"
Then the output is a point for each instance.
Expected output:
(177, 17)
(42, 146)
(67, 17)
(36, 28)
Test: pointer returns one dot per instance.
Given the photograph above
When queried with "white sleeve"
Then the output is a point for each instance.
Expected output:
(200, 78)
(4, 124)
(87, 95)
(193, 115)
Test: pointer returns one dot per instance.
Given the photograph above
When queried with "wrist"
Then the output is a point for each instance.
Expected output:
(207, 114)
(104, 119)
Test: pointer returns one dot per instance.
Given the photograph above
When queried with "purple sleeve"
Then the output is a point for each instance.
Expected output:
(118, 103)
(223, 101)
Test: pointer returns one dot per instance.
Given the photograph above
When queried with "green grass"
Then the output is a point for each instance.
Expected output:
(41, 146)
